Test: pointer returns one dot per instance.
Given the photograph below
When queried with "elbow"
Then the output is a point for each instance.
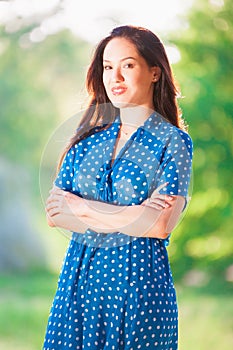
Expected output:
(163, 234)
(158, 233)
(162, 229)
(159, 230)
(167, 221)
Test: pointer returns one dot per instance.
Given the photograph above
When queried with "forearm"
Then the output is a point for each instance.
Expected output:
(136, 220)
(77, 223)
(73, 213)
(102, 217)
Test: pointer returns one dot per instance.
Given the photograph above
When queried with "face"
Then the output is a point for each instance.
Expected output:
(127, 78)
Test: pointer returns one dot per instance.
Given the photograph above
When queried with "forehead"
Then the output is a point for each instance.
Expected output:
(119, 48)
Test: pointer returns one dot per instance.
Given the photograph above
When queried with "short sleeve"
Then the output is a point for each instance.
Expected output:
(65, 176)
(176, 165)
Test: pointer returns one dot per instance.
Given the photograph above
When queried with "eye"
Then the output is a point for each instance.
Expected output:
(128, 65)
(107, 67)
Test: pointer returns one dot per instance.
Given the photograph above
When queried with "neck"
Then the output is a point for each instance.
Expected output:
(135, 116)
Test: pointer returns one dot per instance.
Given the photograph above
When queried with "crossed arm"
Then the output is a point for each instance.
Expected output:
(155, 217)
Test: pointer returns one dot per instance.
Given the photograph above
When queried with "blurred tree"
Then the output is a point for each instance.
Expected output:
(204, 240)
(37, 83)
(40, 78)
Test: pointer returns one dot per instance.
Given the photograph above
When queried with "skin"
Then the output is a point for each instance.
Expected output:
(129, 84)
(127, 78)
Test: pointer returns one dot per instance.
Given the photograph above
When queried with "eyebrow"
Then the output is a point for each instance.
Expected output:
(122, 59)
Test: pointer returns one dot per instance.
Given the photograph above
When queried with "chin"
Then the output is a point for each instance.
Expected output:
(122, 104)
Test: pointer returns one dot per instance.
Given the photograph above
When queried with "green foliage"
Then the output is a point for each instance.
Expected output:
(34, 80)
(25, 302)
(36, 84)
(204, 239)
(38, 80)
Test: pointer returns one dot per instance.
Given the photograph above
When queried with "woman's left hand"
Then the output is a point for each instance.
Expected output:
(63, 202)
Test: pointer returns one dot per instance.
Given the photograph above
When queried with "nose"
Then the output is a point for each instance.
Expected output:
(117, 75)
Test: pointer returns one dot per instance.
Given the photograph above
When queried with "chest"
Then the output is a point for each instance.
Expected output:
(117, 170)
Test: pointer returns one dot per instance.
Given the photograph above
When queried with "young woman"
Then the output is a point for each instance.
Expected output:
(121, 189)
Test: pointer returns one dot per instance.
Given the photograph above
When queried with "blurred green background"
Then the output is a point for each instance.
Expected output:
(41, 86)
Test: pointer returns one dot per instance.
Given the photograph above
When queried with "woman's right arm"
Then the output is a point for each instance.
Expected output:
(71, 212)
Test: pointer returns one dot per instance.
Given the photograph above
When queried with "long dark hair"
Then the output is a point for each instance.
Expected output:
(100, 111)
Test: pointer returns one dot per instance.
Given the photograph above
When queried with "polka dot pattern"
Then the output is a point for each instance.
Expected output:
(115, 291)
(114, 298)
(157, 152)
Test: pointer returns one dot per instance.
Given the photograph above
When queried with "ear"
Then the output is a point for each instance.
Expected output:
(156, 73)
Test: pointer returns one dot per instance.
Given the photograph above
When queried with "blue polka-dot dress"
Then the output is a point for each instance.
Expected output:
(116, 292)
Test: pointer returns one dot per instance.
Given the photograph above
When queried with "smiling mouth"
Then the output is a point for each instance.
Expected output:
(118, 91)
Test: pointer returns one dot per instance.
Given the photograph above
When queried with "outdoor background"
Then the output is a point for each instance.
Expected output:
(42, 73)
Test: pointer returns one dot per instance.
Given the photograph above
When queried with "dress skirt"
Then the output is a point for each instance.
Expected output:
(114, 298)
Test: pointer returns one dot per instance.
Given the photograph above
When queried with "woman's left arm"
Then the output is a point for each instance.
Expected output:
(153, 218)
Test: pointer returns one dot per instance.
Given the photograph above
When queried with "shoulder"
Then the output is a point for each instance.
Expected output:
(169, 135)
(179, 137)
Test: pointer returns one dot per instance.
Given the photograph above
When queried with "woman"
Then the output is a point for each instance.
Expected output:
(116, 290)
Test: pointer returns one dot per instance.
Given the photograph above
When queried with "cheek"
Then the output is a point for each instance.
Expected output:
(105, 83)
(136, 82)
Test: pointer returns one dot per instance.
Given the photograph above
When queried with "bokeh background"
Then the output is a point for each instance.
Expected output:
(45, 49)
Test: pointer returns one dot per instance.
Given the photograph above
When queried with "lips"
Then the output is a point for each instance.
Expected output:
(118, 90)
